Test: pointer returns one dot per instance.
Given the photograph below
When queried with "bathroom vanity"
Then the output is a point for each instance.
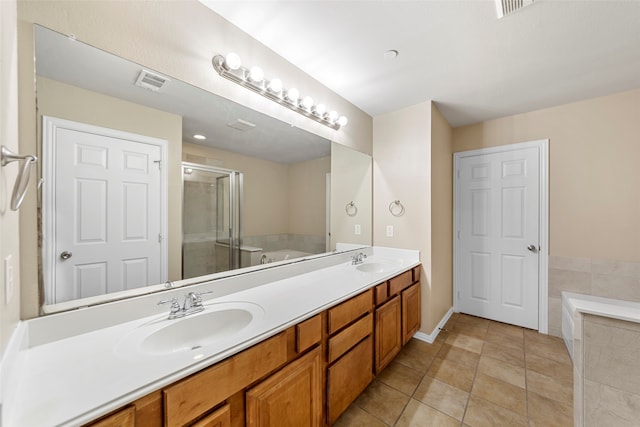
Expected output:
(299, 348)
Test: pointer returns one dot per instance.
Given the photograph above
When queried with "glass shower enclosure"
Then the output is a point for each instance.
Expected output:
(211, 226)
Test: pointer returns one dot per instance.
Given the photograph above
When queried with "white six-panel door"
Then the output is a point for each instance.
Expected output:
(107, 195)
(498, 235)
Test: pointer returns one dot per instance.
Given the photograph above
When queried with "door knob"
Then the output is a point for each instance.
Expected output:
(66, 255)
(532, 248)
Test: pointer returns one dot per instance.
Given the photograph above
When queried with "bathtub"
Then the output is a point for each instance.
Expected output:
(283, 254)
(573, 303)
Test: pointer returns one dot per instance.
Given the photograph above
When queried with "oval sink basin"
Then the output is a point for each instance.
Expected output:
(217, 324)
(191, 333)
(376, 267)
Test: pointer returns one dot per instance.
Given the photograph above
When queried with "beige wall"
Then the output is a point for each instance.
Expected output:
(351, 181)
(265, 188)
(441, 216)
(308, 196)
(594, 202)
(9, 241)
(413, 163)
(163, 42)
(279, 198)
(402, 171)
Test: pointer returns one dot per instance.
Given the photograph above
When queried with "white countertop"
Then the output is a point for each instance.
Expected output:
(86, 374)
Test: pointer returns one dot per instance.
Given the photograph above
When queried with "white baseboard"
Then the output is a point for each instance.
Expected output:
(430, 338)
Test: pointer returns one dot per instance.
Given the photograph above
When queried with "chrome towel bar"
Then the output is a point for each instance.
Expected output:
(24, 174)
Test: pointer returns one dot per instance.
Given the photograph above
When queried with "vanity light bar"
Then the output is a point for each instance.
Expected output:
(253, 78)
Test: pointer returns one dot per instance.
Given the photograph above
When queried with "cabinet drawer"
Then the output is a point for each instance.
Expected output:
(348, 377)
(193, 396)
(381, 293)
(308, 333)
(123, 418)
(400, 282)
(416, 273)
(345, 313)
(349, 337)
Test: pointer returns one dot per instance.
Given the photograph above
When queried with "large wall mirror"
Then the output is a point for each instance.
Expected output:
(132, 198)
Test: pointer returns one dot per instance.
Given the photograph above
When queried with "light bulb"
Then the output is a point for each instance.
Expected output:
(332, 116)
(307, 103)
(320, 109)
(256, 74)
(342, 121)
(198, 136)
(275, 85)
(232, 61)
(293, 94)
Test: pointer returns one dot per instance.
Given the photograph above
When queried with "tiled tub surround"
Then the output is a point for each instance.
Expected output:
(299, 242)
(604, 278)
(67, 369)
(606, 345)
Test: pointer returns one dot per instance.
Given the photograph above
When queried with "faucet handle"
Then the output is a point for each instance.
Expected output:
(195, 298)
(199, 296)
(175, 306)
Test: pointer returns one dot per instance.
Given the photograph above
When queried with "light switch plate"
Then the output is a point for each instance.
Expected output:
(8, 279)
(358, 229)
(389, 230)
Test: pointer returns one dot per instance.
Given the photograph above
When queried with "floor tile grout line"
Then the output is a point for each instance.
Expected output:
(432, 355)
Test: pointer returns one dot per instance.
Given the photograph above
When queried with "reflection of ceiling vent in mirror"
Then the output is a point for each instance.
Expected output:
(151, 81)
(507, 7)
(241, 125)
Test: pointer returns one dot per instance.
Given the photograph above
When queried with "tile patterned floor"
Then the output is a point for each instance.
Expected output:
(477, 373)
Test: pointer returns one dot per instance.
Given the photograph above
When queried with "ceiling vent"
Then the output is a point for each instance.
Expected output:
(241, 125)
(151, 81)
(507, 7)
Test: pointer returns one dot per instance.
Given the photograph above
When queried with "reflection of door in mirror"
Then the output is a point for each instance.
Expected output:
(103, 210)
(212, 200)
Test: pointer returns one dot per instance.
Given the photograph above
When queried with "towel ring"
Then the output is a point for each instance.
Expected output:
(351, 209)
(396, 208)
(24, 174)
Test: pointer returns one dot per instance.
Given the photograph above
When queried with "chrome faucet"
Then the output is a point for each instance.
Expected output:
(358, 258)
(192, 304)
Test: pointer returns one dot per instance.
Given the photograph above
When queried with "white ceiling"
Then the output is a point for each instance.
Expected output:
(457, 53)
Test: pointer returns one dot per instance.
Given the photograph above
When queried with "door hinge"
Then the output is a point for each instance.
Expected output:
(458, 173)
(159, 162)
(160, 238)
(458, 234)
(458, 294)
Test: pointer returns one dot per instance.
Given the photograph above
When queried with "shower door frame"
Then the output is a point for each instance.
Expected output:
(235, 209)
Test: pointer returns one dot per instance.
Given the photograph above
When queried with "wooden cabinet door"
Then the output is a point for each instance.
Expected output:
(348, 377)
(387, 333)
(290, 397)
(218, 418)
(411, 313)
